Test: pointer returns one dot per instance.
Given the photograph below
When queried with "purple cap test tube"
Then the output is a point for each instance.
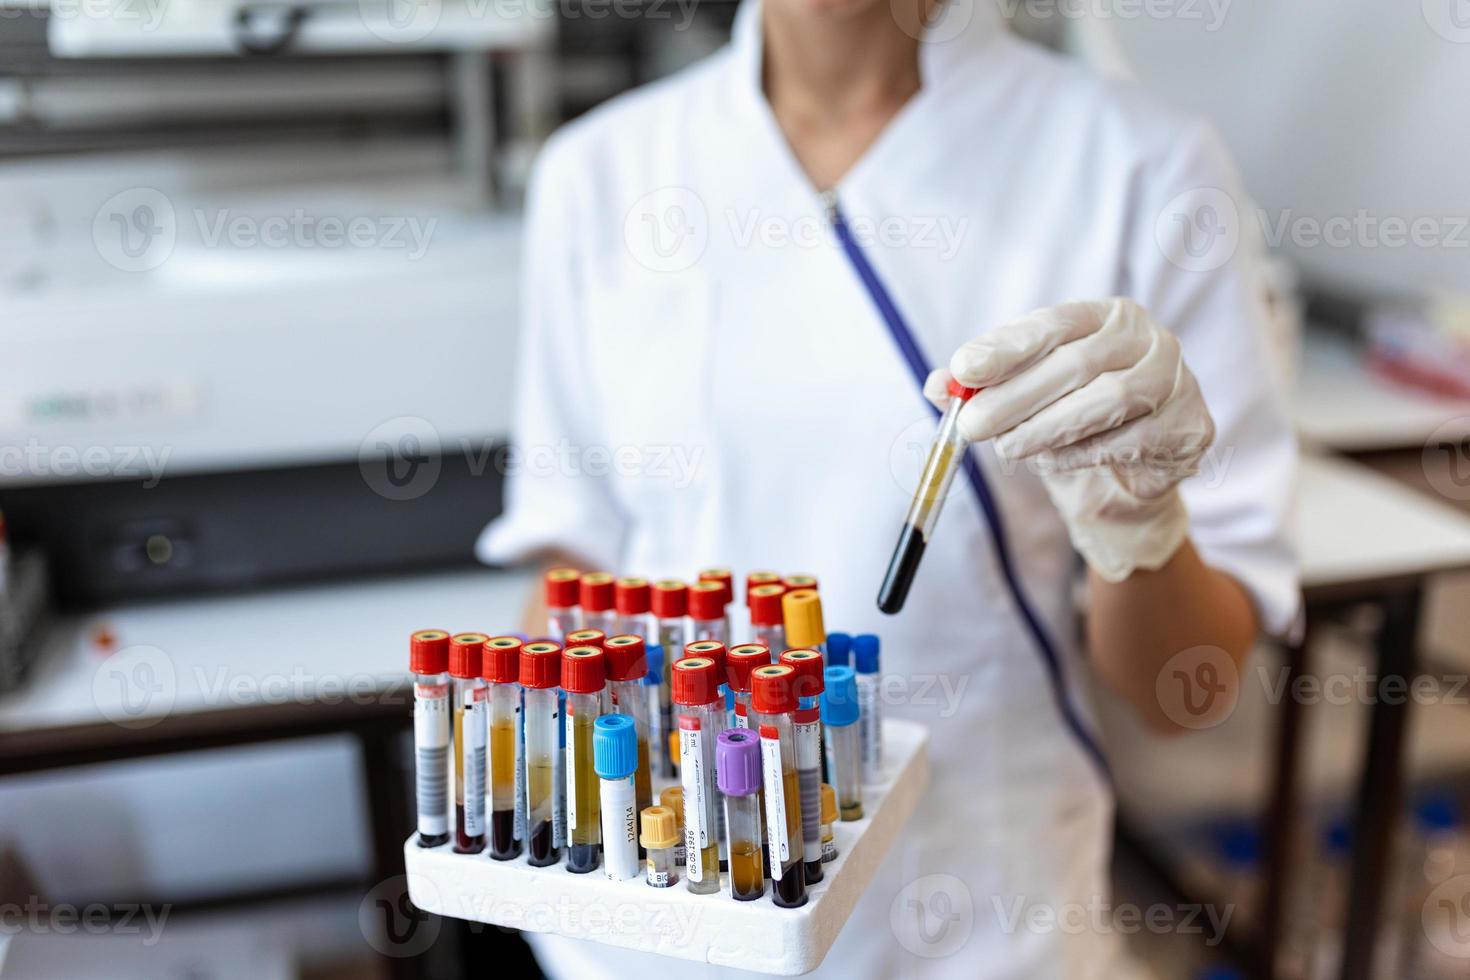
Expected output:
(738, 773)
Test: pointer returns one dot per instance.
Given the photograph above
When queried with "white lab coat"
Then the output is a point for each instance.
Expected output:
(743, 340)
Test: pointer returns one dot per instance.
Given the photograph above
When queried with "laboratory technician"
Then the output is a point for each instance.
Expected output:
(712, 374)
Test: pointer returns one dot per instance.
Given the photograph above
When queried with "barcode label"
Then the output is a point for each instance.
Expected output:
(433, 790)
(691, 772)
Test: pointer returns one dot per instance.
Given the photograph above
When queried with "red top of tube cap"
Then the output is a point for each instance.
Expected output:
(722, 575)
(428, 652)
(583, 670)
(759, 578)
(957, 390)
(707, 599)
(670, 598)
(626, 657)
(694, 681)
(541, 664)
(808, 666)
(561, 587)
(502, 660)
(770, 689)
(586, 638)
(742, 660)
(632, 596)
(596, 592)
(765, 605)
(466, 654)
(710, 649)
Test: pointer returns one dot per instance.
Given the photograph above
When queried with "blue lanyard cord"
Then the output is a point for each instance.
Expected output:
(907, 345)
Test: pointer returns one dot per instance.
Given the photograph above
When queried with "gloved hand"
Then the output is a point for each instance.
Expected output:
(1096, 397)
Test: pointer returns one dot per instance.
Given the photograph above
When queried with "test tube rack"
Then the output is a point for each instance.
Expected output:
(717, 929)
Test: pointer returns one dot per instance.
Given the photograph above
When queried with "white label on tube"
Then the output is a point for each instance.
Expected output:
(808, 745)
(558, 785)
(775, 794)
(658, 879)
(474, 760)
(870, 727)
(570, 768)
(619, 829)
(431, 750)
(520, 790)
(691, 774)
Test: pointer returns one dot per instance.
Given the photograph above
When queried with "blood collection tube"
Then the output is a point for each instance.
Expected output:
(754, 580)
(653, 695)
(670, 603)
(615, 759)
(583, 677)
(841, 718)
(807, 731)
(715, 650)
(767, 622)
(801, 610)
(673, 798)
(707, 611)
(660, 838)
(501, 668)
(870, 705)
(738, 762)
(428, 659)
(627, 666)
(799, 581)
(945, 455)
(633, 601)
(773, 702)
(839, 650)
(829, 817)
(739, 663)
(700, 719)
(540, 679)
(466, 651)
(562, 612)
(596, 594)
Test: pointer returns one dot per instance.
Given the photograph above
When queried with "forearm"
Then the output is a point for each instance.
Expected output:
(1135, 626)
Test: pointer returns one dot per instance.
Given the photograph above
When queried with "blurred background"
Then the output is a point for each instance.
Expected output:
(258, 276)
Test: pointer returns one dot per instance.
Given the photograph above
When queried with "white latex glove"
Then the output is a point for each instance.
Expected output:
(1096, 398)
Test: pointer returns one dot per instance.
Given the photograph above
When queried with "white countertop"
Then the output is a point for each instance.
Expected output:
(300, 643)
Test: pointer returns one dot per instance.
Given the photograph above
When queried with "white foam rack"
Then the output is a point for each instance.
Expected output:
(754, 935)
